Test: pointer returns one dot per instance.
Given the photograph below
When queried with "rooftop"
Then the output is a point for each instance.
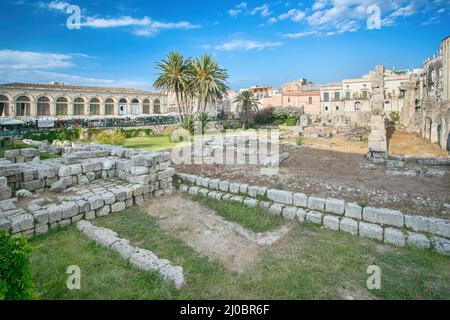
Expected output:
(62, 86)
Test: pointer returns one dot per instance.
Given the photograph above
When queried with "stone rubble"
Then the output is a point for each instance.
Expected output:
(141, 258)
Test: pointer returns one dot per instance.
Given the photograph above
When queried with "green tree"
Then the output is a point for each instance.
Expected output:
(208, 81)
(173, 78)
(247, 103)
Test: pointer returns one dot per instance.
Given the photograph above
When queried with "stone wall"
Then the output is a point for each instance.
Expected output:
(87, 182)
(390, 226)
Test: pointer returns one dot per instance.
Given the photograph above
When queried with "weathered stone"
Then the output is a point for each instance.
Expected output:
(54, 213)
(23, 194)
(418, 240)
(349, 225)
(353, 210)
(300, 200)
(331, 222)
(69, 210)
(335, 206)
(40, 230)
(280, 196)
(316, 203)
(118, 206)
(123, 248)
(61, 184)
(314, 217)
(395, 237)
(41, 216)
(372, 231)
(103, 211)
(5, 193)
(8, 204)
(3, 182)
(96, 202)
(224, 186)
(441, 245)
(383, 216)
(64, 171)
(290, 213)
(5, 224)
(193, 190)
(276, 209)
(252, 203)
(21, 222)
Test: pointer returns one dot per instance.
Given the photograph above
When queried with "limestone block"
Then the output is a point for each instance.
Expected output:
(316, 203)
(349, 225)
(353, 210)
(5, 224)
(103, 211)
(276, 209)
(69, 209)
(418, 240)
(3, 182)
(383, 216)
(235, 188)
(331, 222)
(372, 231)
(21, 222)
(224, 186)
(252, 203)
(8, 204)
(64, 171)
(314, 217)
(300, 200)
(41, 216)
(280, 196)
(54, 213)
(75, 169)
(123, 248)
(61, 185)
(441, 245)
(118, 206)
(109, 197)
(395, 237)
(335, 206)
(243, 188)
(96, 202)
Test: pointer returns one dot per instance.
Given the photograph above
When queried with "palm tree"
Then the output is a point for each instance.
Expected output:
(247, 103)
(173, 78)
(208, 81)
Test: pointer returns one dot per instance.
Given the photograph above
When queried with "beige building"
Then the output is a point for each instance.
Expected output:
(57, 100)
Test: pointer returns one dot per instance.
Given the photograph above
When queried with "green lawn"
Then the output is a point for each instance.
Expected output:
(311, 263)
(156, 143)
(255, 219)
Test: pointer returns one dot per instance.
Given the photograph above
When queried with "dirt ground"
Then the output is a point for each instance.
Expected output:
(331, 172)
(210, 234)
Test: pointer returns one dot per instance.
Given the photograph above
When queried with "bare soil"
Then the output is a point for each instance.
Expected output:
(334, 173)
(210, 234)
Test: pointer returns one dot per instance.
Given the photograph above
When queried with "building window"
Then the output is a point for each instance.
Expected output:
(337, 96)
(326, 108)
(337, 108)
(146, 106)
(123, 106)
(94, 107)
(4, 106)
(365, 94)
(23, 107)
(326, 97)
(289, 100)
(43, 106)
(78, 107)
(310, 100)
(441, 73)
(357, 106)
(109, 107)
(348, 95)
(157, 106)
(135, 107)
(62, 107)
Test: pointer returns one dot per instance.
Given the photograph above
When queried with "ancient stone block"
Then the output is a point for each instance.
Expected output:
(316, 203)
(335, 206)
(418, 240)
(314, 217)
(118, 206)
(353, 210)
(280, 196)
(300, 200)
(395, 237)
(331, 222)
(349, 225)
(441, 245)
(372, 231)
(383, 216)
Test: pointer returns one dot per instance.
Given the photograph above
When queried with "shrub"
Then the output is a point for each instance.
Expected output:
(265, 116)
(288, 112)
(394, 117)
(291, 122)
(188, 123)
(109, 137)
(15, 272)
(300, 141)
(21, 145)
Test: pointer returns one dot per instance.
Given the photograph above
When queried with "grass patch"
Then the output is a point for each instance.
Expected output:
(156, 143)
(255, 219)
(311, 263)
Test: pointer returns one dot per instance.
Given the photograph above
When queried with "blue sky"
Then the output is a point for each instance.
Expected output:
(258, 42)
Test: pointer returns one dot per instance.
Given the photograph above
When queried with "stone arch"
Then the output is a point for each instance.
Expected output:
(135, 106)
(94, 106)
(5, 105)
(79, 106)
(110, 106)
(62, 105)
(123, 106)
(146, 106)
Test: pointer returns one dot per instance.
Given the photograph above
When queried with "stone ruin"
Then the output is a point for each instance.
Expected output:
(87, 182)
(32, 154)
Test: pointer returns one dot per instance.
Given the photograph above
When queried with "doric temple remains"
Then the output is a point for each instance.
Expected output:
(426, 108)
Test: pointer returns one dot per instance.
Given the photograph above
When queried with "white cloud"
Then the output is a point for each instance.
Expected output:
(143, 26)
(245, 45)
(22, 60)
(263, 10)
(300, 35)
(238, 9)
(293, 14)
(272, 21)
